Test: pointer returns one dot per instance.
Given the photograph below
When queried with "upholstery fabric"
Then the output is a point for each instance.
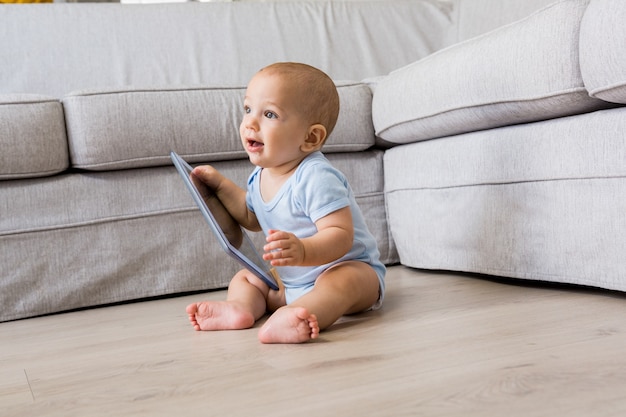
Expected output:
(476, 17)
(138, 128)
(535, 201)
(522, 72)
(602, 52)
(211, 43)
(151, 239)
(545, 230)
(32, 136)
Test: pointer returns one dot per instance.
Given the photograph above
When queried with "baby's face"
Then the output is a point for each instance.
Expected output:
(272, 130)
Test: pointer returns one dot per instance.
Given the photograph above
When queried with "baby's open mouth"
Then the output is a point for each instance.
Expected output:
(253, 144)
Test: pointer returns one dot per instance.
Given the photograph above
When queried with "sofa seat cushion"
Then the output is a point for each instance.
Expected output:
(132, 128)
(32, 136)
(602, 62)
(525, 71)
(511, 154)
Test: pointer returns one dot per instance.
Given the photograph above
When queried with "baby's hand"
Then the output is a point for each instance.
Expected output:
(208, 175)
(283, 249)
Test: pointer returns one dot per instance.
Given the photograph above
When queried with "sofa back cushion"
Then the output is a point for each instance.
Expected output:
(119, 129)
(522, 72)
(32, 136)
(476, 17)
(602, 35)
(66, 47)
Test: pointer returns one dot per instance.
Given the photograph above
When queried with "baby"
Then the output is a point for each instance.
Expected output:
(316, 234)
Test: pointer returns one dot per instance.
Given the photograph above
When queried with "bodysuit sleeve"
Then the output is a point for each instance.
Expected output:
(320, 190)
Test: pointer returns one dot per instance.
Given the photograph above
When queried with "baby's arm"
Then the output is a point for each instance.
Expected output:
(333, 239)
(230, 194)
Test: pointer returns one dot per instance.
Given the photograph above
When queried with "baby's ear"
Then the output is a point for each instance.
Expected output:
(315, 138)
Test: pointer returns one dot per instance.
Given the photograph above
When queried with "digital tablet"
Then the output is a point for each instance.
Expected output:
(231, 236)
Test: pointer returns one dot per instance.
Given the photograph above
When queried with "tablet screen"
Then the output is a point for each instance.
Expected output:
(229, 226)
(229, 232)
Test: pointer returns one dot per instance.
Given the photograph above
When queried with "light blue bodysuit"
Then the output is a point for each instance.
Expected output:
(315, 190)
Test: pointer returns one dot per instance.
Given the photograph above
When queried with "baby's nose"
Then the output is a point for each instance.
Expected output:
(250, 122)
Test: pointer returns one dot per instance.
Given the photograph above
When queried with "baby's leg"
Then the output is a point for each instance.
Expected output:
(346, 288)
(244, 305)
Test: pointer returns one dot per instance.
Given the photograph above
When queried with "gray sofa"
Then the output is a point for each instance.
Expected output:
(475, 141)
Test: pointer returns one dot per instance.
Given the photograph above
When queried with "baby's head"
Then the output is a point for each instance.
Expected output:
(314, 93)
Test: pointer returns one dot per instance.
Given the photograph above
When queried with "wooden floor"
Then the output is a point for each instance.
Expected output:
(443, 345)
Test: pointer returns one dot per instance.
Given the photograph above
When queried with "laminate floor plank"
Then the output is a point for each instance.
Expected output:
(442, 345)
(14, 387)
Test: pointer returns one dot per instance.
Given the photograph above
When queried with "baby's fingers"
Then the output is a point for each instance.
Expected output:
(275, 235)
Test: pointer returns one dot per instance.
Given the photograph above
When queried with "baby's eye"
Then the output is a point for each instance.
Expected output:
(246, 109)
(271, 115)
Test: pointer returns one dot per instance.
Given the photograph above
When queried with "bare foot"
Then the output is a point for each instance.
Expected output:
(290, 325)
(219, 315)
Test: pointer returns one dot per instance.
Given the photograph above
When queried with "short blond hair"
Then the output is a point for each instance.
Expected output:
(319, 100)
